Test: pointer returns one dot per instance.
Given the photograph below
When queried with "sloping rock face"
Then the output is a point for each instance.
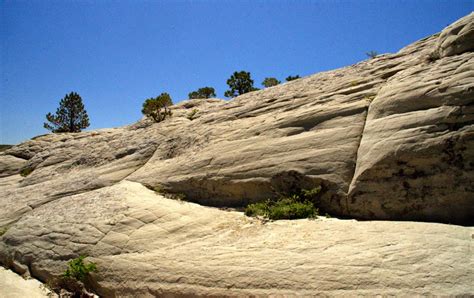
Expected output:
(387, 138)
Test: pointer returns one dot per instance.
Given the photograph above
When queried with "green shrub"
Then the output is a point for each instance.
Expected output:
(205, 92)
(26, 171)
(258, 209)
(78, 270)
(157, 108)
(270, 82)
(300, 205)
(292, 78)
(289, 208)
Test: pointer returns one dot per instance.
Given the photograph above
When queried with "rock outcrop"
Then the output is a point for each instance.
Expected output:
(388, 138)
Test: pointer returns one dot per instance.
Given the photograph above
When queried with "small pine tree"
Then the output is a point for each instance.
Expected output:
(70, 116)
(205, 92)
(239, 83)
(291, 78)
(152, 107)
(270, 82)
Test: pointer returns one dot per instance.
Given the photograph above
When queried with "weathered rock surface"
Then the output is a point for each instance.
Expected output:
(387, 138)
(146, 245)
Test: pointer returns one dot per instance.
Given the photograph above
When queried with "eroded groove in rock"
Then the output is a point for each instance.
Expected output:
(419, 144)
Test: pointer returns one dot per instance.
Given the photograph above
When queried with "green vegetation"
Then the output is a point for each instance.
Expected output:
(26, 171)
(192, 115)
(78, 270)
(152, 107)
(300, 205)
(73, 279)
(270, 82)
(292, 78)
(372, 54)
(205, 92)
(70, 116)
(240, 83)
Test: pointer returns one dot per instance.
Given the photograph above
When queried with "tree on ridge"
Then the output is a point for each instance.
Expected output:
(270, 82)
(204, 92)
(71, 115)
(239, 83)
(152, 107)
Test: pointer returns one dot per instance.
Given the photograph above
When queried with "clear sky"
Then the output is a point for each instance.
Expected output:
(115, 54)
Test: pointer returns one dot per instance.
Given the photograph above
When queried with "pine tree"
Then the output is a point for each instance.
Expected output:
(239, 83)
(70, 116)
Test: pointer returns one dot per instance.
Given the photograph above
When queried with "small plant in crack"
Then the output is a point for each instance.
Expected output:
(73, 279)
(78, 270)
(26, 171)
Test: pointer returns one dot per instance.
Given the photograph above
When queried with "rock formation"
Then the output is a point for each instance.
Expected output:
(388, 138)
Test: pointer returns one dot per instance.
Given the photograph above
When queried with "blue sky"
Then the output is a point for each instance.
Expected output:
(115, 54)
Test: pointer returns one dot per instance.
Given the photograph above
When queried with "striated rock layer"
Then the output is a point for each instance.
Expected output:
(388, 138)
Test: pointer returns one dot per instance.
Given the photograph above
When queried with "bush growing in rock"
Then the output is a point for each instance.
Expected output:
(205, 92)
(26, 171)
(291, 78)
(72, 282)
(78, 270)
(152, 107)
(270, 82)
(301, 205)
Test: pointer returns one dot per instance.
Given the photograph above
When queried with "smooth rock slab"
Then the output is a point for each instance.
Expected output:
(147, 245)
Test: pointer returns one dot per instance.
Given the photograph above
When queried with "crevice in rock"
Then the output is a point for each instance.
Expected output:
(138, 168)
(357, 155)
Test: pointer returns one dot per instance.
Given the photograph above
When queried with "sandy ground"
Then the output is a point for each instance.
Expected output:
(13, 285)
